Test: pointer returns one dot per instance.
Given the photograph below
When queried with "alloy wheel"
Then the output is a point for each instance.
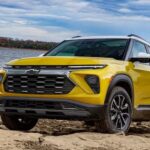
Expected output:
(119, 112)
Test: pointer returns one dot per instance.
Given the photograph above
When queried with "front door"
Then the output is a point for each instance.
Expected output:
(142, 76)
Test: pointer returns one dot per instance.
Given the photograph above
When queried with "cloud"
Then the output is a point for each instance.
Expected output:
(125, 10)
(141, 2)
(31, 32)
(58, 19)
(21, 22)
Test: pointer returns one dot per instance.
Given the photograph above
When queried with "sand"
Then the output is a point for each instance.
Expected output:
(74, 135)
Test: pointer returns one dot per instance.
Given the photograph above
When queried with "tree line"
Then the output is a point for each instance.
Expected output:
(26, 44)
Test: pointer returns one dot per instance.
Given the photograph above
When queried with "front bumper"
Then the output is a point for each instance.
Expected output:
(51, 108)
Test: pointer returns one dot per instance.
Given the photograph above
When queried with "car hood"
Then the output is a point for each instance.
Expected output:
(52, 60)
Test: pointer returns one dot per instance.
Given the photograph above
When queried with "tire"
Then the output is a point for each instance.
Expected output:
(117, 114)
(19, 123)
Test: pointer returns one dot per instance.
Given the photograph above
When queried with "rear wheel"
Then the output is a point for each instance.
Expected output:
(118, 113)
(20, 123)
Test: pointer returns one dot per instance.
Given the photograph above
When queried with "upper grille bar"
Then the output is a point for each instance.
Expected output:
(40, 67)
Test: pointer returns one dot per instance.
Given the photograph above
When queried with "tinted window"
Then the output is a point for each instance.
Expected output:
(138, 48)
(113, 48)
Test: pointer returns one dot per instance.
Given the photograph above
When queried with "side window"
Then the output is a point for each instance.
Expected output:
(148, 49)
(137, 48)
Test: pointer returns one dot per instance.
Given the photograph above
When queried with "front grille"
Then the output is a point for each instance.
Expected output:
(38, 84)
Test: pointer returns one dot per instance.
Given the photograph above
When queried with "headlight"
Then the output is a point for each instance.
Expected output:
(87, 67)
(93, 82)
(7, 67)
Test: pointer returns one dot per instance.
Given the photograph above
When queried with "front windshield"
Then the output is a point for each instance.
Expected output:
(112, 48)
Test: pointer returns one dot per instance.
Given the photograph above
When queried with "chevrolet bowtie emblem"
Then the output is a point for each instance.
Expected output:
(32, 71)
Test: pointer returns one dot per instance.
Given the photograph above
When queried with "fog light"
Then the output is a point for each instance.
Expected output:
(91, 79)
(93, 82)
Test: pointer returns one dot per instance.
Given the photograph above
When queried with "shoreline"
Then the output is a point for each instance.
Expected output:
(21, 49)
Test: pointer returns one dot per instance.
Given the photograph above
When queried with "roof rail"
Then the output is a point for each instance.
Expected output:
(130, 35)
(76, 36)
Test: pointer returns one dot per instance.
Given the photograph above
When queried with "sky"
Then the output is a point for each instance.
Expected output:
(56, 20)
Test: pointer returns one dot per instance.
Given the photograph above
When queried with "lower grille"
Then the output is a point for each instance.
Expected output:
(38, 84)
(51, 105)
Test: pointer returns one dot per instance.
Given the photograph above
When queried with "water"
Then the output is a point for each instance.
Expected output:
(7, 54)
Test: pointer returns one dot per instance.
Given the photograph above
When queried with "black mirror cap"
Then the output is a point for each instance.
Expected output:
(140, 59)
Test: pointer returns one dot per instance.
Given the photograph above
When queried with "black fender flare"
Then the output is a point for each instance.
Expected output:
(120, 78)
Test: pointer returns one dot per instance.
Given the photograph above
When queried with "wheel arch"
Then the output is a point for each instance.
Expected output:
(123, 81)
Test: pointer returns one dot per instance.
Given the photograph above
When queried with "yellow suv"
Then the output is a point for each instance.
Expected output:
(104, 81)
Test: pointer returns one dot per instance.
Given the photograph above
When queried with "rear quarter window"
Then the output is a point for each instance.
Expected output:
(148, 49)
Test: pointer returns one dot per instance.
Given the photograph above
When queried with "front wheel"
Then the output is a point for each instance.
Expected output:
(118, 112)
(20, 123)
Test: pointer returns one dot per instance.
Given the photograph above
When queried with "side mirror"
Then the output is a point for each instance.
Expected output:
(142, 57)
